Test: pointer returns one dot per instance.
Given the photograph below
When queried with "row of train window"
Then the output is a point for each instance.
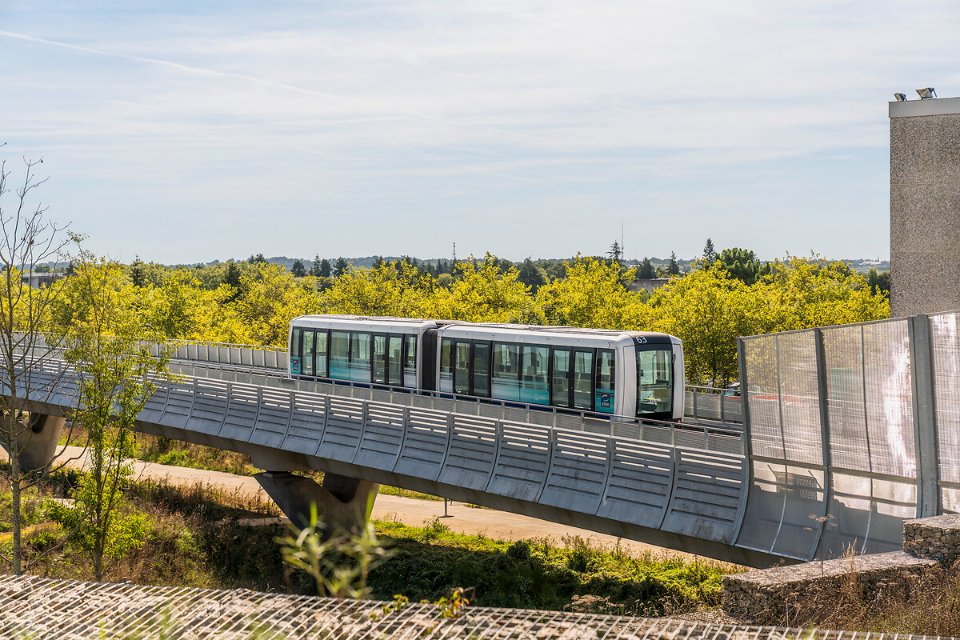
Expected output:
(388, 359)
(563, 377)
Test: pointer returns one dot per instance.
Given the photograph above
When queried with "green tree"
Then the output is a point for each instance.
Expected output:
(256, 259)
(298, 269)
(232, 275)
(340, 267)
(325, 269)
(879, 281)
(137, 274)
(741, 264)
(315, 267)
(709, 252)
(116, 371)
(615, 253)
(673, 268)
(646, 271)
(532, 275)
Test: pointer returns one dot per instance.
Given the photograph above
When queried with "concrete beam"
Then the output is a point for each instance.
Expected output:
(343, 504)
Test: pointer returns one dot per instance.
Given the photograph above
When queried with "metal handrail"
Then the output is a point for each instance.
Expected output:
(578, 420)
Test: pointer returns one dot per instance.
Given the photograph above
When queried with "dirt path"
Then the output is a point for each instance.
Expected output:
(411, 511)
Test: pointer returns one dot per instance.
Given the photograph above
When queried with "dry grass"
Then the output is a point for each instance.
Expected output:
(927, 605)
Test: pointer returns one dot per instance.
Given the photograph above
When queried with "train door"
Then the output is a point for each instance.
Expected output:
(481, 369)
(306, 363)
(604, 389)
(560, 371)
(395, 361)
(583, 380)
(461, 367)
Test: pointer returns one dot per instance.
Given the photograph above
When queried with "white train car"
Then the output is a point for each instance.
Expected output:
(624, 373)
(394, 352)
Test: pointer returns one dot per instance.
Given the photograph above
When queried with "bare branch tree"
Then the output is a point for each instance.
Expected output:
(28, 340)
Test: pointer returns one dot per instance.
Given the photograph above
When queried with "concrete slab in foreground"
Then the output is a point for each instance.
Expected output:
(43, 608)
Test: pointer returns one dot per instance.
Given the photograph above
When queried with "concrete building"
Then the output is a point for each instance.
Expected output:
(924, 206)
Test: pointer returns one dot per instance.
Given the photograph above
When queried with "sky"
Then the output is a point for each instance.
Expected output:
(184, 132)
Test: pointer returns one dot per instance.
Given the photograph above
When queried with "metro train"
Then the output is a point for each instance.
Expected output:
(621, 373)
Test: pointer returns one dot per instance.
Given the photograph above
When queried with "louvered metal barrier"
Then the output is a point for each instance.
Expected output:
(850, 430)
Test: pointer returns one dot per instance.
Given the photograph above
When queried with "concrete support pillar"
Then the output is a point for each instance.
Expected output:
(343, 504)
(38, 441)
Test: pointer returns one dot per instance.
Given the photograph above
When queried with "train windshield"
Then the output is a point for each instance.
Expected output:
(654, 381)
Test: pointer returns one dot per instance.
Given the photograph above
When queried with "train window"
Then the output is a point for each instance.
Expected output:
(654, 381)
(295, 368)
(583, 380)
(340, 355)
(395, 361)
(461, 368)
(320, 346)
(446, 365)
(481, 369)
(506, 371)
(534, 386)
(295, 342)
(560, 385)
(360, 357)
(410, 362)
(380, 359)
(306, 361)
(603, 400)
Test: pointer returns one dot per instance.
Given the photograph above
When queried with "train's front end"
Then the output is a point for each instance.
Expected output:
(660, 380)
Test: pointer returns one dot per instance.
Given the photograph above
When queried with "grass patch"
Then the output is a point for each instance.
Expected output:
(539, 574)
(204, 537)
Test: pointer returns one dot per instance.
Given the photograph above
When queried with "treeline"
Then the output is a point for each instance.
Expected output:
(726, 295)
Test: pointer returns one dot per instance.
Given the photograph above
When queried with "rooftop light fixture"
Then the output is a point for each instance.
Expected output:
(901, 97)
(927, 93)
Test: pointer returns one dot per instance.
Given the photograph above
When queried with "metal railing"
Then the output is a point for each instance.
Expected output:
(701, 402)
(556, 417)
(710, 403)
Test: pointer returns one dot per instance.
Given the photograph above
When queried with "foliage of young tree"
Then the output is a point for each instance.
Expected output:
(816, 292)
(271, 298)
(483, 293)
(340, 267)
(298, 269)
(106, 347)
(708, 311)
(590, 295)
(386, 290)
(325, 269)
